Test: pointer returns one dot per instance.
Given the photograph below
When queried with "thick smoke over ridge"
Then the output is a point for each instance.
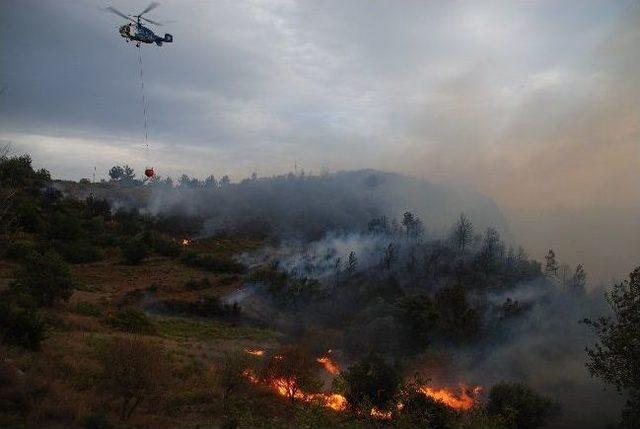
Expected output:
(311, 206)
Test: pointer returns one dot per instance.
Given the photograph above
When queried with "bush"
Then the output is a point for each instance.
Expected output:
(133, 321)
(134, 251)
(23, 327)
(370, 382)
(167, 248)
(97, 421)
(211, 262)
(86, 308)
(133, 369)
(522, 407)
(420, 410)
(194, 284)
(79, 252)
(64, 227)
(20, 249)
(44, 279)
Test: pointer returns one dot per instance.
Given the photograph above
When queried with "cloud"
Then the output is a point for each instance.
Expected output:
(535, 104)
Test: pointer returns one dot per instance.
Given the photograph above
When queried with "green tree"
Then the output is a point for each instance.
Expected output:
(418, 316)
(520, 406)
(134, 251)
(292, 369)
(44, 278)
(462, 232)
(615, 356)
(371, 382)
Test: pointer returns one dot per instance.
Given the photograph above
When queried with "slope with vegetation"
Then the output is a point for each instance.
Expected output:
(114, 315)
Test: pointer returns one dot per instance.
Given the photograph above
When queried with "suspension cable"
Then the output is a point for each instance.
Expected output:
(144, 101)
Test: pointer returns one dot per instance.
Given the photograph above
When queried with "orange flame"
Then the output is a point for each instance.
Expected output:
(329, 365)
(186, 242)
(254, 352)
(382, 415)
(464, 401)
(284, 387)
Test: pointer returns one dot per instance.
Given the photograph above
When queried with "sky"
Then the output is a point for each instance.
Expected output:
(535, 104)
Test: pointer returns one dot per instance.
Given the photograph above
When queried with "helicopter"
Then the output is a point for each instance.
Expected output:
(135, 31)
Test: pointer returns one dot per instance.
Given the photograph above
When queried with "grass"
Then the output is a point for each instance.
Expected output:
(183, 328)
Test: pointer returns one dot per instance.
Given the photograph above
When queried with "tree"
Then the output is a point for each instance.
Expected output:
(132, 371)
(390, 256)
(231, 374)
(551, 266)
(462, 232)
(521, 407)
(116, 173)
(492, 250)
(293, 370)
(225, 181)
(44, 279)
(352, 264)
(134, 251)
(371, 382)
(337, 268)
(579, 280)
(565, 276)
(456, 317)
(20, 326)
(614, 357)
(418, 316)
(210, 182)
(412, 226)
(378, 226)
(422, 411)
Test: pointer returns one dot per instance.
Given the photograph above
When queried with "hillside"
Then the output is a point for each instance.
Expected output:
(358, 299)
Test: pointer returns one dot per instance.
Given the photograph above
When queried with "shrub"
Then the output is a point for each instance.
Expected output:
(132, 372)
(370, 382)
(79, 252)
(194, 284)
(133, 321)
(20, 249)
(64, 227)
(86, 308)
(211, 262)
(165, 247)
(23, 327)
(294, 369)
(420, 410)
(97, 420)
(45, 279)
(134, 251)
(522, 407)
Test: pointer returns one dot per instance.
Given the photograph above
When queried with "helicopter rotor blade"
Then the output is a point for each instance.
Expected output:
(152, 5)
(151, 22)
(117, 12)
